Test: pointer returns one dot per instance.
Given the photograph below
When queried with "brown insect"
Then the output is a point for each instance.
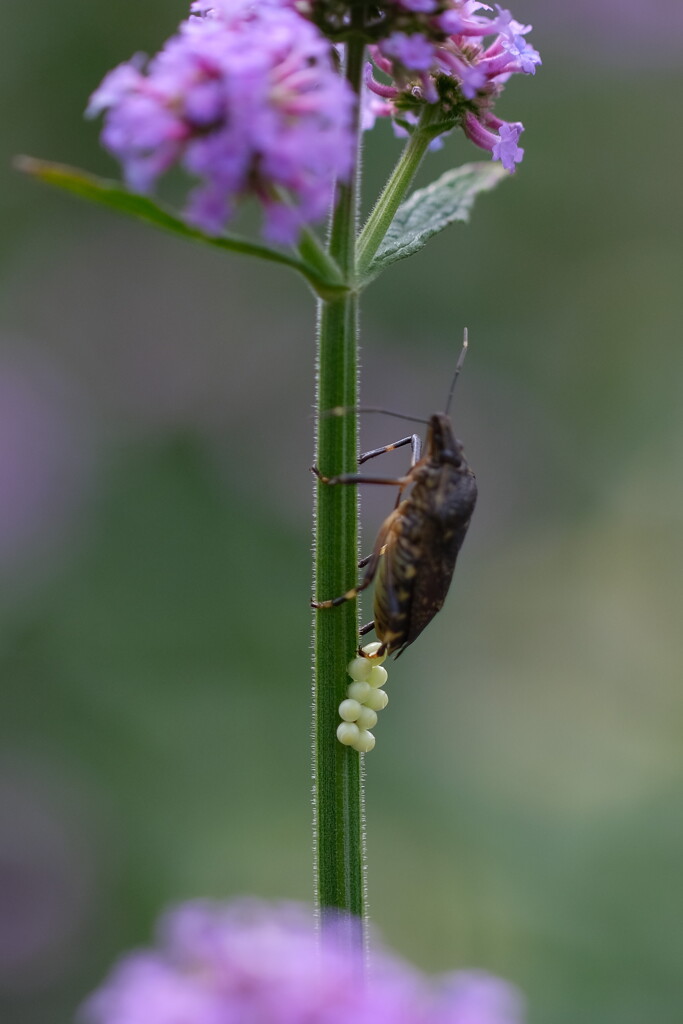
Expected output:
(414, 555)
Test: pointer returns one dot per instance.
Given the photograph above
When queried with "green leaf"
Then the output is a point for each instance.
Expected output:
(117, 197)
(429, 210)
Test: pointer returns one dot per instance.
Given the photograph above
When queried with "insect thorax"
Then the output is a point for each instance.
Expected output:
(446, 493)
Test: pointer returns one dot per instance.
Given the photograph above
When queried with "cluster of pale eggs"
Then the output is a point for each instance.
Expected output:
(364, 698)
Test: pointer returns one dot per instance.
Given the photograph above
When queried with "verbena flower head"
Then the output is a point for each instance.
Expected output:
(441, 52)
(249, 963)
(246, 98)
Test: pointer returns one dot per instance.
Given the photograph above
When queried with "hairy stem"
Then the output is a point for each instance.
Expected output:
(338, 793)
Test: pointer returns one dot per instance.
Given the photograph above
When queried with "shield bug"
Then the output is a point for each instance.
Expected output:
(414, 556)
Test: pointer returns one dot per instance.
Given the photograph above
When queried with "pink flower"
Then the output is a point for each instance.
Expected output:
(250, 963)
(245, 97)
(447, 57)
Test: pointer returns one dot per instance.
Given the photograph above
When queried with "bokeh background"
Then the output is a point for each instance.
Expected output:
(524, 798)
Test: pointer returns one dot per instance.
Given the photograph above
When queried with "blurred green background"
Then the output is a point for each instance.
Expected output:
(524, 799)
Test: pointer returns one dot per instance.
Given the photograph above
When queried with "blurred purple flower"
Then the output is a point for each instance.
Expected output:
(249, 963)
(414, 52)
(419, 5)
(245, 97)
(440, 55)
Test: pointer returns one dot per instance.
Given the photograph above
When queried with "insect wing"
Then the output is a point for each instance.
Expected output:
(439, 553)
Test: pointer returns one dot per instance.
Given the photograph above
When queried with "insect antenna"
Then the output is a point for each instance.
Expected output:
(341, 410)
(458, 368)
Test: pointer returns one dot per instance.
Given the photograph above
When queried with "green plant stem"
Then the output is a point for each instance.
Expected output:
(429, 126)
(338, 795)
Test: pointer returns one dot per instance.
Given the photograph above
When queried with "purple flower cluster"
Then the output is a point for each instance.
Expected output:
(435, 52)
(248, 963)
(246, 98)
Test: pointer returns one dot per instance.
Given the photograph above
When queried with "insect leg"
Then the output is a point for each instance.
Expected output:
(353, 478)
(364, 561)
(415, 452)
(413, 441)
(348, 596)
(372, 562)
(366, 628)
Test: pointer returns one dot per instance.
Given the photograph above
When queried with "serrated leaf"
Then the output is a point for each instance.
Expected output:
(114, 195)
(429, 210)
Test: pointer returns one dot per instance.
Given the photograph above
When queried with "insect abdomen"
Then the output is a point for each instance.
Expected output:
(422, 546)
